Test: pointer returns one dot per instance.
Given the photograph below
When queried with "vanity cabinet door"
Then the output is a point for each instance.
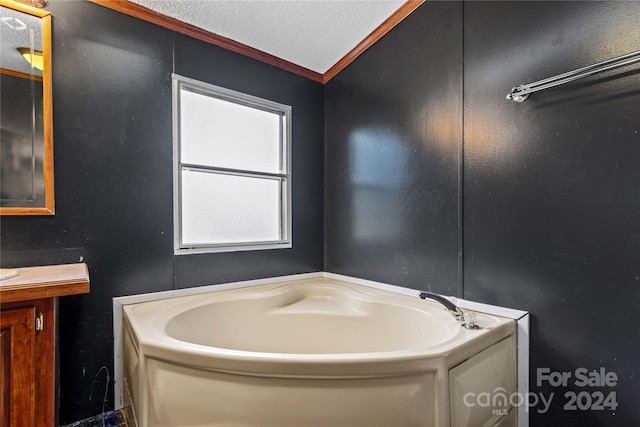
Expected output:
(17, 367)
(27, 355)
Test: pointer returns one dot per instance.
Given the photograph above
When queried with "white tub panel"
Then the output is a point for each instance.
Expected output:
(183, 396)
(481, 387)
(131, 367)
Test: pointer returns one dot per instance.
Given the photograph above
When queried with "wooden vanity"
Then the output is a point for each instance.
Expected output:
(28, 305)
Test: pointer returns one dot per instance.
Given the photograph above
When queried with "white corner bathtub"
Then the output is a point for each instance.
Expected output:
(315, 352)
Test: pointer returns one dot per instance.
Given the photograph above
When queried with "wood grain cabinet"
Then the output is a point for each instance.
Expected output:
(27, 341)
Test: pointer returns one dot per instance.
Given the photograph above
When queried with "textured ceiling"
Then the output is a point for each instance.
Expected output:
(314, 34)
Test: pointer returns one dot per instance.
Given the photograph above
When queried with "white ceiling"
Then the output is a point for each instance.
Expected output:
(314, 34)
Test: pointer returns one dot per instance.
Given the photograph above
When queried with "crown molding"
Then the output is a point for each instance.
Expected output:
(145, 14)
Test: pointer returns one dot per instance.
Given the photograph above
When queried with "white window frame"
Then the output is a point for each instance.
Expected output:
(181, 82)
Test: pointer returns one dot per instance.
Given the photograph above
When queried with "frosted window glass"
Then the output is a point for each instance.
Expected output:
(224, 134)
(220, 208)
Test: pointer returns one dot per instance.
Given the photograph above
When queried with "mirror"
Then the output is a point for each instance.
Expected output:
(26, 134)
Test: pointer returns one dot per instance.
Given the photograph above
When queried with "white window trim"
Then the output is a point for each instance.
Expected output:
(286, 200)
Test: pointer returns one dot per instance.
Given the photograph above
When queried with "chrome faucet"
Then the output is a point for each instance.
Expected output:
(468, 319)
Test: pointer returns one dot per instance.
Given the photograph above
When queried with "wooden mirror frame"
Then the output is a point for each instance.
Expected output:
(47, 114)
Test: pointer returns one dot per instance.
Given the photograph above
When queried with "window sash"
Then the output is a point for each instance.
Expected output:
(283, 175)
(214, 126)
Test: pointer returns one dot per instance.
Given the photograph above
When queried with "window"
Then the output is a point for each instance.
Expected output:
(232, 188)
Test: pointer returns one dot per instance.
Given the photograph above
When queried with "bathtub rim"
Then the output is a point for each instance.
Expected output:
(151, 323)
(521, 317)
(147, 327)
(324, 366)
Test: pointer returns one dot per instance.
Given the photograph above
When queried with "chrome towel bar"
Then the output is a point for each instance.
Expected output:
(521, 93)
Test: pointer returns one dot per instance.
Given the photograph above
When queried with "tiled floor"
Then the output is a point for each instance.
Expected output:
(121, 418)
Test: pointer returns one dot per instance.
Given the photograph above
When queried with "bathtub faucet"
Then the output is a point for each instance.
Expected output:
(468, 319)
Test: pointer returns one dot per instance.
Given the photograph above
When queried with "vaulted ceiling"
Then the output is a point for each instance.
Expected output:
(311, 33)
(314, 38)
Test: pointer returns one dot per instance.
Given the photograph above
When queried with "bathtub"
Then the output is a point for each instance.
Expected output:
(315, 352)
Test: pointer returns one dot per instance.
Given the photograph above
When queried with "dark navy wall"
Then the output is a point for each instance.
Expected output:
(393, 139)
(113, 181)
(548, 189)
(552, 189)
